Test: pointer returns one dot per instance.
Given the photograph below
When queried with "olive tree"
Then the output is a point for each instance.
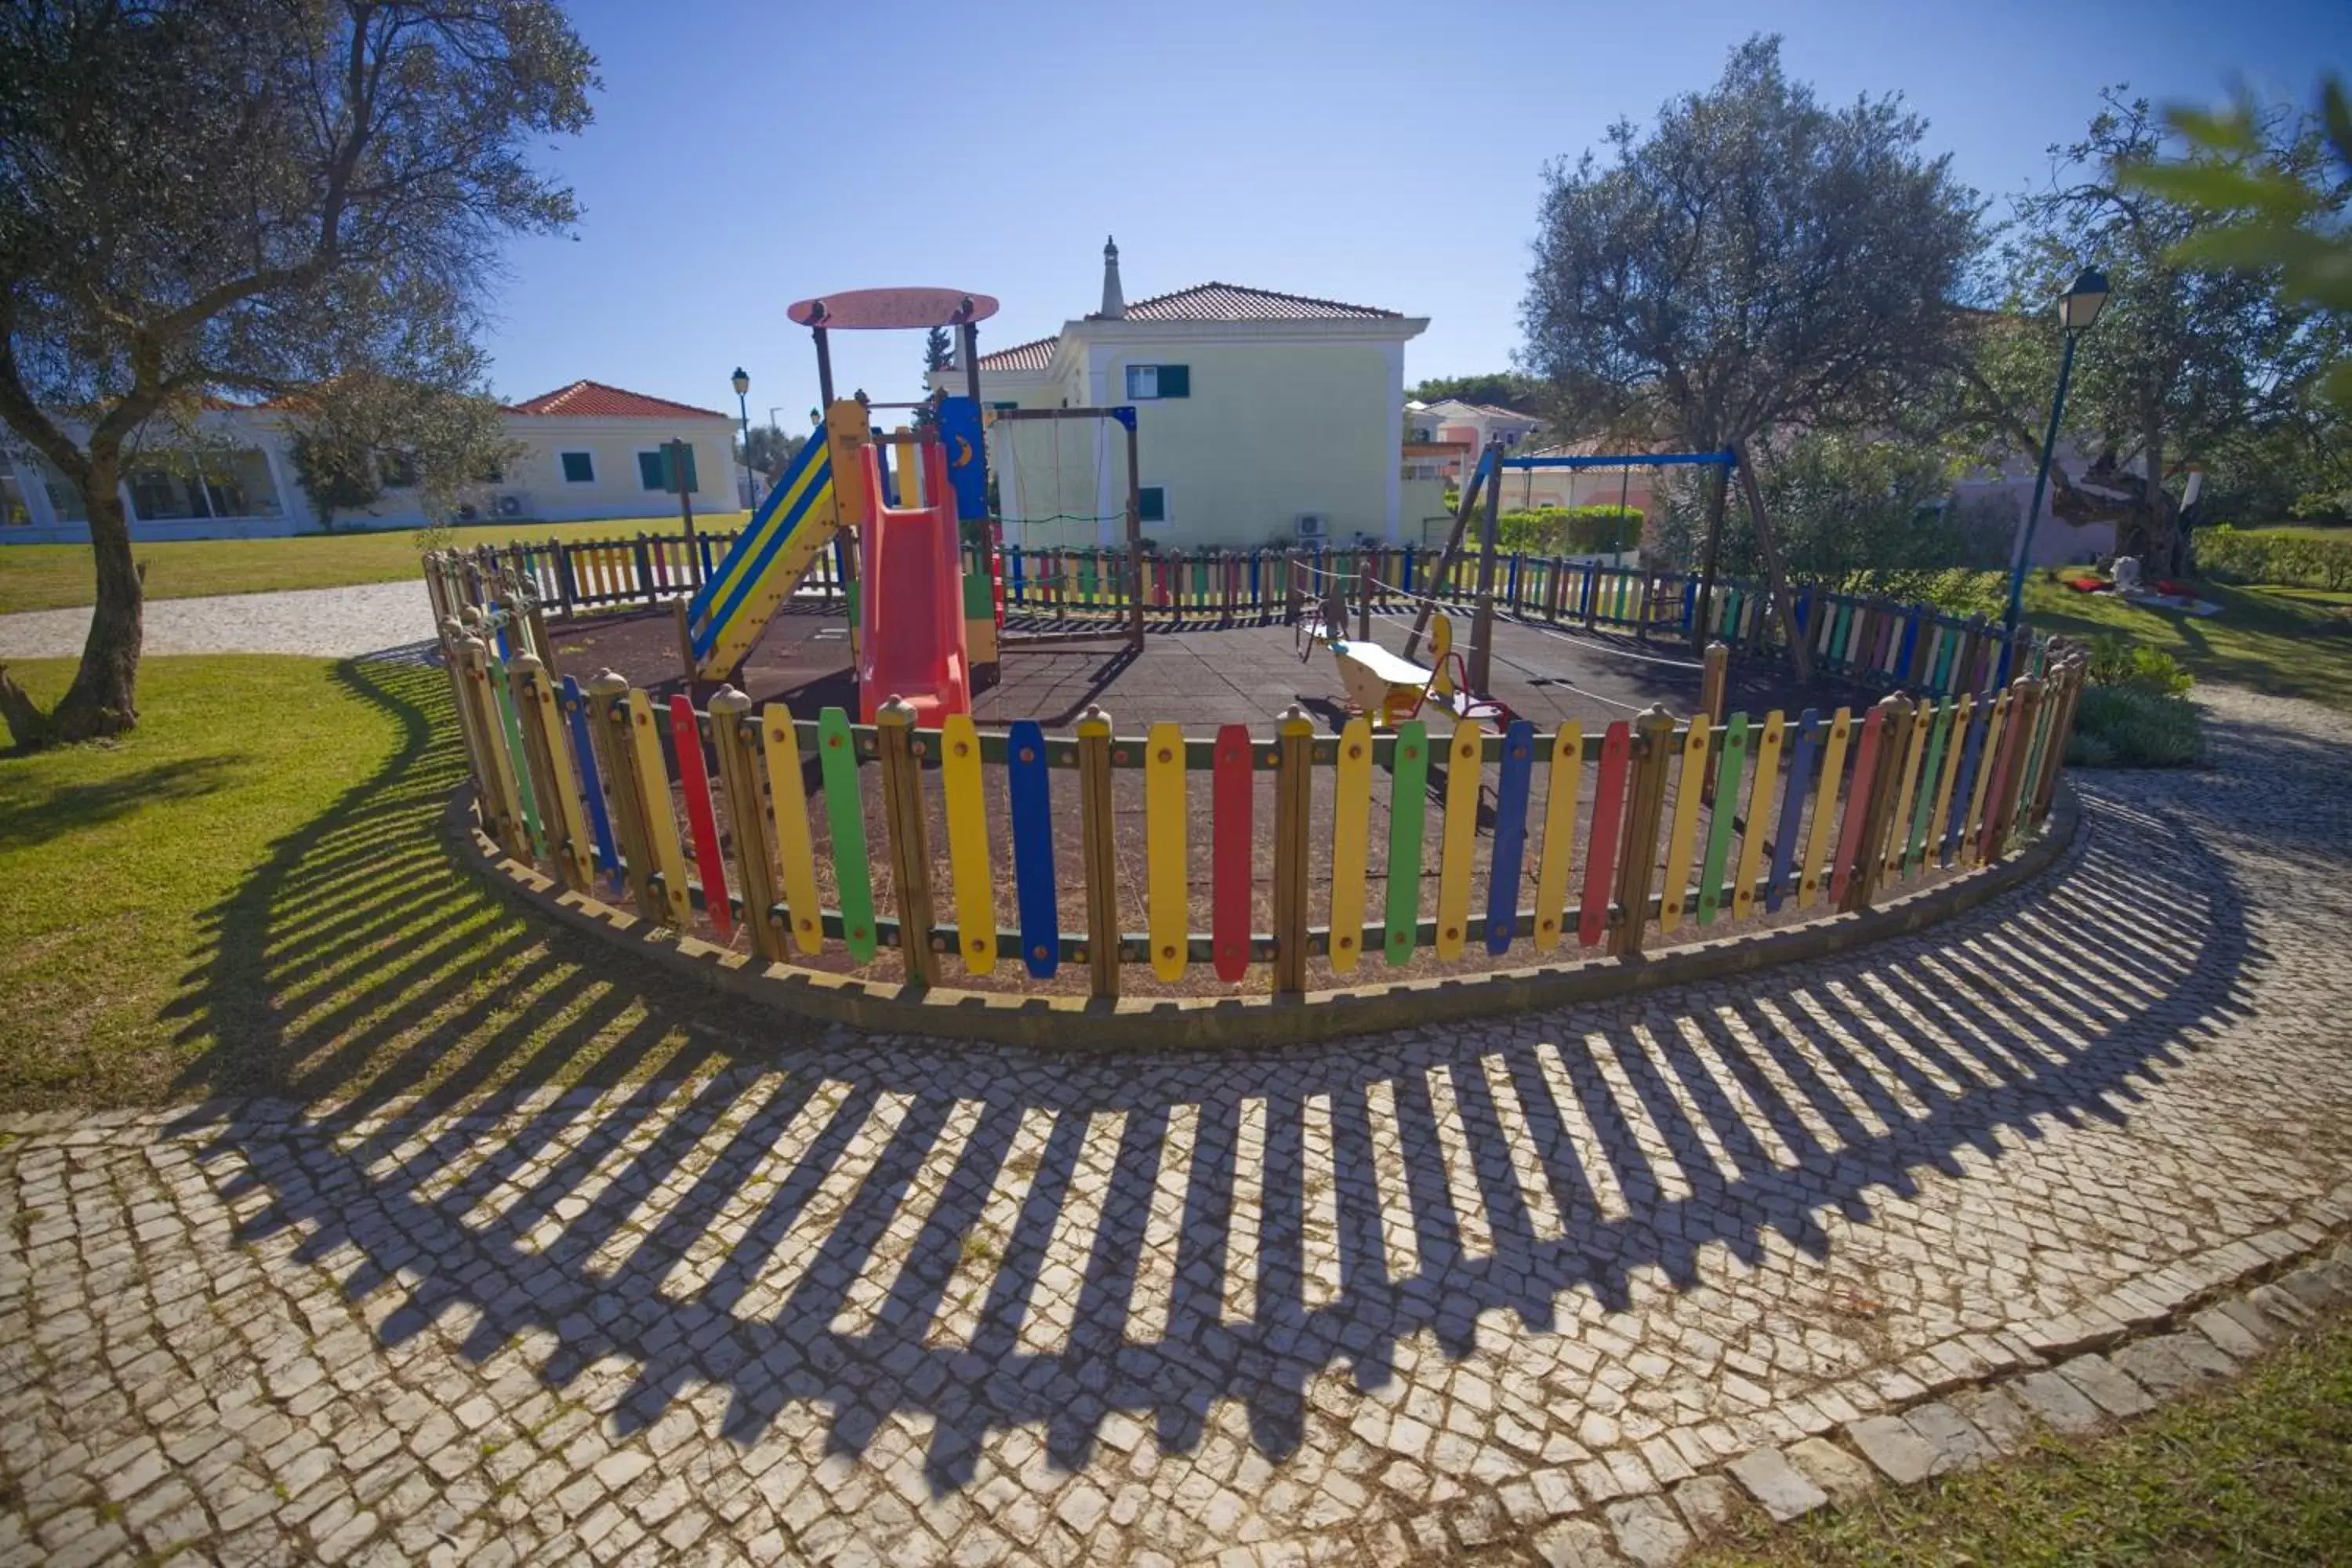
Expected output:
(1753, 260)
(250, 198)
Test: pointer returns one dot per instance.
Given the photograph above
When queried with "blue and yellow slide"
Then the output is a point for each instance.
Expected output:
(790, 530)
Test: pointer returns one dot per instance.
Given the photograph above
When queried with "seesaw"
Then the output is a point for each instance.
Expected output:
(1391, 688)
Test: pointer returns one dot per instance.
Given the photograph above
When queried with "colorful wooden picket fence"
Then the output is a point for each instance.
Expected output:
(1541, 842)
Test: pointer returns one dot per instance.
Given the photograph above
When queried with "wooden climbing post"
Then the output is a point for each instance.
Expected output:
(1637, 859)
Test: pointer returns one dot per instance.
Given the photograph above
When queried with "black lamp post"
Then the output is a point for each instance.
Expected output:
(742, 402)
(2078, 308)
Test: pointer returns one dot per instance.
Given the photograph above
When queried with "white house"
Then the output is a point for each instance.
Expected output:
(1260, 417)
(589, 451)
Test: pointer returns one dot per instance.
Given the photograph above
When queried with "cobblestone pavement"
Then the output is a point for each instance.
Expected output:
(1504, 1290)
(327, 623)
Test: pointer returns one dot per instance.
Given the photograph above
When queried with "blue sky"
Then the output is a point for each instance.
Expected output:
(746, 156)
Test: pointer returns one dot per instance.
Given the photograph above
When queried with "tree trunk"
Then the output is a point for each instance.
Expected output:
(102, 699)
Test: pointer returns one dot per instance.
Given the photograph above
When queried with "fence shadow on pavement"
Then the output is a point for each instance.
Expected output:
(676, 1190)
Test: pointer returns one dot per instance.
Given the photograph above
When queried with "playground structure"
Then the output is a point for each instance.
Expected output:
(891, 839)
(1146, 862)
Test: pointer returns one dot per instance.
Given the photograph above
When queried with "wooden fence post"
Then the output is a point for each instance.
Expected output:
(608, 730)
(911, 853)
(2000, 821)
(1637, 854)
(1293, 800)
(453, 641)
(1098, 852)
(738, 775)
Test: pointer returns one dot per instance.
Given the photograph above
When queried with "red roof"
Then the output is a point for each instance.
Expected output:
(1202, 302)
(1232, 303)
(595, 400)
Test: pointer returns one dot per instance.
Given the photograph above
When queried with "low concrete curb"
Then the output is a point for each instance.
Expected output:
(1074, 1023)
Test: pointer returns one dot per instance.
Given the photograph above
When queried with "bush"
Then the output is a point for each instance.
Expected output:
(2227, 555)
(2116, 662)
(1570, 529)
(2133, 727)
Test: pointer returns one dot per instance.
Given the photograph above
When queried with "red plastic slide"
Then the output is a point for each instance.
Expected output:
(911, 597)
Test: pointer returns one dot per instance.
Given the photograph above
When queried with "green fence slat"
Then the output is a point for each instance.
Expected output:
(1728, 770)
(1931, 770)
(513, 728)
(845, 817)
(1408, 794)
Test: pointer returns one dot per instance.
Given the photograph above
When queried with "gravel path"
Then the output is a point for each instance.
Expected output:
(327, 623)
(1541, 1289)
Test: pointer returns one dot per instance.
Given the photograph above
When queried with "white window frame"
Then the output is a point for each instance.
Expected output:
(1135, 394)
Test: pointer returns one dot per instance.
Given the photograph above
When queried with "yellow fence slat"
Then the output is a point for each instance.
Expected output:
(1898, 815)
(1953, 747)
(1167, 875)
(1760, 817)
(1825, 802)
(661, 808)
(1688, 788)
(1559, 832)
(788, 804)
(1352, 803)
(1463, 768)
(968, 858)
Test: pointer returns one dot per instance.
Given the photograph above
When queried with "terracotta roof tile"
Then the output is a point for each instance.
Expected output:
(1232, 303)
(595, 400)
(1035, 355)
(1202, 302)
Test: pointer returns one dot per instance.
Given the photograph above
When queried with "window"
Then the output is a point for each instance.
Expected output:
(1148, 381)
(399, 469)
(579, 468)
(653, 469)
(1151, 504)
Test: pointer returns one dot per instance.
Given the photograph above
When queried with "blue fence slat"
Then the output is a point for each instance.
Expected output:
(1032, 847)
(575, 708)
(1977, 720)
(1510, 835)
(1792, 809)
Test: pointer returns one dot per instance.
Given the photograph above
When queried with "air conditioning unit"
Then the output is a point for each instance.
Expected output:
(512, 505)
(1313, 525)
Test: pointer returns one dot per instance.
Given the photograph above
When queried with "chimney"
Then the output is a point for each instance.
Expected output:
(1114, 305)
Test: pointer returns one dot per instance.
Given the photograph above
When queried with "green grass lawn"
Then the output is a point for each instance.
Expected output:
(2259, 1471)
(250, 895)
(55, 576)
(2283, 640)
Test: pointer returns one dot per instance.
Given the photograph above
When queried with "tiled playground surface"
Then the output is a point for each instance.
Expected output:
(1519, 1289)
(1207, 677)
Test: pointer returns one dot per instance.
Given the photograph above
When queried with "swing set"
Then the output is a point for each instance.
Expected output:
(1009, 468)
(1482, 497)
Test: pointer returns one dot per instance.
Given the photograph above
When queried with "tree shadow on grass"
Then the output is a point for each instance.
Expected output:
(879, 1227)
(72, 809)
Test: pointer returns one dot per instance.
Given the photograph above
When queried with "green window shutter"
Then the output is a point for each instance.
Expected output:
(691, 483)
(653, 471)
(1175, 381)
(579, 468)
(1151, 504)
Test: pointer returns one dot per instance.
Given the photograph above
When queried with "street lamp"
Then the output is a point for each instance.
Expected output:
(2078, 310)
(742, 403)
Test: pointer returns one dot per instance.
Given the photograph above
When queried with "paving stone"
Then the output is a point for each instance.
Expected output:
(1574, 1544)
(1846, 1479)
(1784, 1489)
(1708, 1503)
(2107, 1386)
(1889, 1442)
(2060, 1405)
(1997, 1415)
(2228, 1333)
(1959, 1445)
(1648, 1531)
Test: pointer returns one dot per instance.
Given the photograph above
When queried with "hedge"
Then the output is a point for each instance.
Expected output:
(2227, 555)
(1570, 529)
